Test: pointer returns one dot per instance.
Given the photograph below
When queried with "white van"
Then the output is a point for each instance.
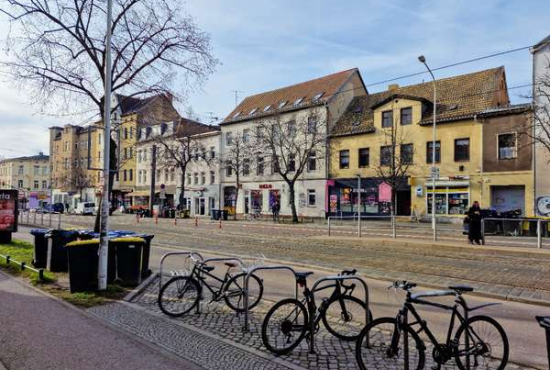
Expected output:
(85, 208)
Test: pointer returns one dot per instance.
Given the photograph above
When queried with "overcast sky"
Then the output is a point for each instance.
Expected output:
(264, 45)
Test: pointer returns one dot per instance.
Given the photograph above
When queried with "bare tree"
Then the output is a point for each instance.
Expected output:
(395, 160)
(56, 49)
(290, 142)
(540, 130)
(236, 160)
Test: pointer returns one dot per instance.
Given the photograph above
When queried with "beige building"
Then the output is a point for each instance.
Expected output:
(30, 175)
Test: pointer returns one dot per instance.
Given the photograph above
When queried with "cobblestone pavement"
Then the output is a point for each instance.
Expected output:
(219, 321)
(517, 278)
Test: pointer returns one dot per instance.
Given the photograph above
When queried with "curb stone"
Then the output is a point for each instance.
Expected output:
(139, 289)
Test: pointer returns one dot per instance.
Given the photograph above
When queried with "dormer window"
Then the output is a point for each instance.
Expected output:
(282, 104)
(298, 101)
(237, 114)
(252, 111)
(267, 108)
(317, 97)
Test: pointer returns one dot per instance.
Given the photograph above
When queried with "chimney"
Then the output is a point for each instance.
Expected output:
(393, 87)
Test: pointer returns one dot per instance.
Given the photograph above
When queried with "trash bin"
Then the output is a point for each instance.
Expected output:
(146, 255)
(544, 322)
(40, 258)
(215, 214)
(129, 252)
(57, 253)
(83, 260)
(223, 214)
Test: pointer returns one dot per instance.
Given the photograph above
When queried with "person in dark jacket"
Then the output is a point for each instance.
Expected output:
(276, 208)
(474, 230)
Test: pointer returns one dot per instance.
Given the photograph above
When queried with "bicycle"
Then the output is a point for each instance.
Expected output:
(479, 342)
(256, 215)
(182, 293)
(288, 321)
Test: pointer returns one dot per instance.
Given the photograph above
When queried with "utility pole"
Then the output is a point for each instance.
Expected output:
(104, 222)
(236, 96)
(153, 178)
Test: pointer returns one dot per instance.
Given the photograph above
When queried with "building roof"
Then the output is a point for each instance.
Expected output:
(129, 104)
(458, 98)
(39, 157)
(307, 91)
(187, 127)
(504, 111)
(541, 43)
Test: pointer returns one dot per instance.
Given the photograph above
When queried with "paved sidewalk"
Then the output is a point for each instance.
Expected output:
(38, 332)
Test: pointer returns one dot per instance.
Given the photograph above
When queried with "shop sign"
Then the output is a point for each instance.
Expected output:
(8, 210)
(266, 186)
(384, 192)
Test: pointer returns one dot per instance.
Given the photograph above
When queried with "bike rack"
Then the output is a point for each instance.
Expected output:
(174, 254)
(336, 278)
(246, 327)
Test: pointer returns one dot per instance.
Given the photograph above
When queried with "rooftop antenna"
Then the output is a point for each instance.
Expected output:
(237, 96)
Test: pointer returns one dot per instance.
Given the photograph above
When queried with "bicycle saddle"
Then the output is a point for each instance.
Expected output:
(208, 268)
(303, 275)
(230, 264)
(461, 288)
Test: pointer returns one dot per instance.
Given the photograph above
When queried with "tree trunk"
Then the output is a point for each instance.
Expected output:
(181, 196)
(293, 202)
(237, 196)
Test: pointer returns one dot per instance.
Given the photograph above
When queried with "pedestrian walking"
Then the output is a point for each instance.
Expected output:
(275, 208)
(474, 229)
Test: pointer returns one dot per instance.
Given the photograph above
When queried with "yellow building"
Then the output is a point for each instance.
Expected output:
(386, 139)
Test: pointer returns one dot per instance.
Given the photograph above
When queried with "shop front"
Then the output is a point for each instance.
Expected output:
(451, 197)
(375, 195)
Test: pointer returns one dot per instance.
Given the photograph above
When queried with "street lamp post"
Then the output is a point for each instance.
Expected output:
(433, 169)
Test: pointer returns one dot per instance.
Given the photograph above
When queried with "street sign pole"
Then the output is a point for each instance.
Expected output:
(104, 224)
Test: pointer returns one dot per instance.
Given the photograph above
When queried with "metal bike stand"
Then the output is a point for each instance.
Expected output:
(174, 254)
(222, 259)
(336, 278)
(246, 327)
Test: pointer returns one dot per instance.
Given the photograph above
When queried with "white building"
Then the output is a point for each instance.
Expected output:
(323, 100)
(541, 70)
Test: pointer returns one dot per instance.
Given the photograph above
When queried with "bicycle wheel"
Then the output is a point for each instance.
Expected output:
(234, 292)
(179, 296)
(380, 354)
(344, 317)
(488, 344)
(284, 326)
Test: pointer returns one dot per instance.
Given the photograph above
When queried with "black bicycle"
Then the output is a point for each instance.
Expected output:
(479, 342)
(182, 293)
(288, 321)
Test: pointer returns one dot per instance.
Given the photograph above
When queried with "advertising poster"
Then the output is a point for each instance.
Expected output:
(333, 202)
(8, 210)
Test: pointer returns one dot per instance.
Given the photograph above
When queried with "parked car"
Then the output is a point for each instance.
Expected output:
(51, 208)
(85, 208)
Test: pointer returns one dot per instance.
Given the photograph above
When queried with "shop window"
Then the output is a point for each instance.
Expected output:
(429, 150)
(344, 159)
(364, 157)
(386, 154)
(406, 116)
(407, 153)
(448, 200)
(260, 166)
(387, 118)
(312, 161)
(311, 200)
(462, 150)
(507, 146)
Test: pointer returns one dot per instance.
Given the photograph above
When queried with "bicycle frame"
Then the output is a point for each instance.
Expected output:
(316, 314)
(199, 273)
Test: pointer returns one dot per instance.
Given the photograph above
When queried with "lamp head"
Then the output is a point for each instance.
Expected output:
(422, 59)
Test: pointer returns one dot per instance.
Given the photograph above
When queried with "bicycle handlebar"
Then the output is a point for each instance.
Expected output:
(403, 284)
(349, 272)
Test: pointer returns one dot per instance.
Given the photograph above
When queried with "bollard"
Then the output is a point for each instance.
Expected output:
(539, 233)
(157, 219)
(393, 227)
(28, 216)
(34, 218)
(220, 223)
(196, 221)
(175, 221)
(328, 226)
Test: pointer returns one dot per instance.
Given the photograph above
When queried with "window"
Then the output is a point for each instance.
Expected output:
(172, 174)
(253, 111)
(36, 170)
(229, 169)
(387, 118)
(462, 150)
(212, 177)
(21, 170)
(267, 108)
(246, 167)
(117, 175)
(139, 156)
(237, 114)
(131, 175)
(246, 136)
(125, 133)
(145, 155)
(159, 173)
(35, 184)
(260, 166)
(298, 101)
(259, 133)
(407, 153)
(144, 176)
(45, 170)
(311, 197)
(124, 176)
(203, 178)
(196, 178)
(282, 104)
(507, 146)
(275, 131)
(276, 166)
(125, 153)
(291, 163)
(166, 174)
(131, 153)
(212, 152)
(228, 138)
(344, 159)
(386, 155)
(131, 132)
(311, 125)
(364, 157)
(188, 179)
(429, 148)
(291, 128)
(20, 183)
(406, 116)
(312, 161)
(317, 97)
(44, 184)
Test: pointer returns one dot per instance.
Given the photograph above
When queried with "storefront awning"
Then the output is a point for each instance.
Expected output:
(141, 193)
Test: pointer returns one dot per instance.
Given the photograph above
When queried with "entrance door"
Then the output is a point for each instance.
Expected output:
(403, 207)
(202, 206)
(508, 198)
